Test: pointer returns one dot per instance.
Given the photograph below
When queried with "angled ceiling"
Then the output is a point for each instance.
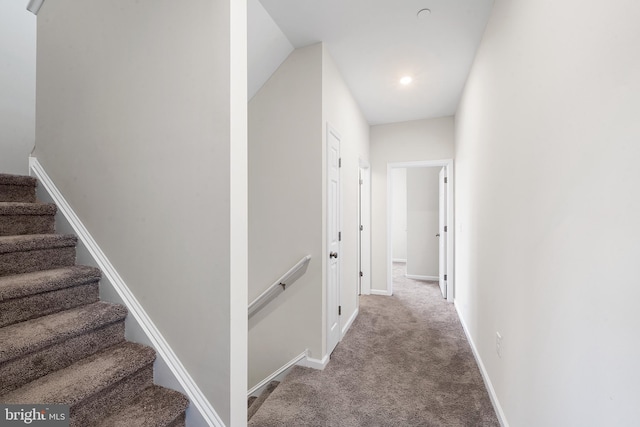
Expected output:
(374, 43)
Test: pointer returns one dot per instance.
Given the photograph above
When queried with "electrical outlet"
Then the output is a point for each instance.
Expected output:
(499, 344)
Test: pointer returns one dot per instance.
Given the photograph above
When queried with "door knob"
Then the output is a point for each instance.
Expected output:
(438, 235)
(333, 254)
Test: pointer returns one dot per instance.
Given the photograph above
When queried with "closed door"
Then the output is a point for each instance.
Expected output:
(333, 239)
(442, 231)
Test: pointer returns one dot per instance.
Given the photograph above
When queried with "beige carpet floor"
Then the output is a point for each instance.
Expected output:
(404, 362)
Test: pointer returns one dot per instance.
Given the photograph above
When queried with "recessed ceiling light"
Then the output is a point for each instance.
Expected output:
(424, 13)
(406, 80)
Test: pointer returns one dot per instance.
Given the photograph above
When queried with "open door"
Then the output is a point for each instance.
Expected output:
(442, 231)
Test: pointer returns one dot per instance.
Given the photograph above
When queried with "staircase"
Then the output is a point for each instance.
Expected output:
(58, 343)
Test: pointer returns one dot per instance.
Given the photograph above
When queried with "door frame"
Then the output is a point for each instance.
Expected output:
(448, 165)
(364, 220)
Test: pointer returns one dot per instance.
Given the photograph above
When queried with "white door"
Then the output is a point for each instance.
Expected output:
(365, 231)
(333, 239)
(442, 231)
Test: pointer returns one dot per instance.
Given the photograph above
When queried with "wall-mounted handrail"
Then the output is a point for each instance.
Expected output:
(280, 285)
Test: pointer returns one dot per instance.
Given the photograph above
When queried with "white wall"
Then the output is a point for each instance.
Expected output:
(429, 139)
(17, 86)
(547, 210)
(138, 116)
(285, 211)
(267, 46)
(422, 222)
(399, 214)
(343, 113)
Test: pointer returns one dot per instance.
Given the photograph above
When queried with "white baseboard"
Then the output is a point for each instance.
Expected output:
(310, 362)
(350, 321)
(400, 260)
(485, 376)
(109, 275)
(425, 278)
(380, 292)
(257, 389)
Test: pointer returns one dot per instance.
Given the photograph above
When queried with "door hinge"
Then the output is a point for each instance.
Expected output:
(445, 179)
(339, 236)
(340, 162)
(445, 277)
(361, 227)
(339, 310)
(445, 228)
(361, 274)
(361, 182)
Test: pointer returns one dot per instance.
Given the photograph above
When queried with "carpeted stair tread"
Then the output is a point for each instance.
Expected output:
(17, 218)
(85, 378)
(26, 337)
(261, 399)
(15, 188)
(34, 242)
(251, 400)
(155, 406)
(21, 208)
(21, 285)
(21, 180)
(30, 295)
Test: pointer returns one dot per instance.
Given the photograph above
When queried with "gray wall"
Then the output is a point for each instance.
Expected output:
(547, 208)
(134, 127)
(285, 211)
(287, 126)
(17, 86)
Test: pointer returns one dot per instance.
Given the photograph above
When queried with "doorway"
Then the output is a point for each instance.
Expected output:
(430, 220)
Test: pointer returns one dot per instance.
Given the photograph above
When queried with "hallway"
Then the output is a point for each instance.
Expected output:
(405, 361)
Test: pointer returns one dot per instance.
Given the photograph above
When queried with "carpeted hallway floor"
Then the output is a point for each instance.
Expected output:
(404, 362)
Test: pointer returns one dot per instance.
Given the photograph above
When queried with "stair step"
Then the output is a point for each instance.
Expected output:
(16, 188)
(154, 407)
(29, 295)
(93, 386)
(257, 403)
(251, 400)
(18, 218)
(24, 254)
(37, 347)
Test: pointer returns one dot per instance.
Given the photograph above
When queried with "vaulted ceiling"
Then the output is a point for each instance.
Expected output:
(374, 43)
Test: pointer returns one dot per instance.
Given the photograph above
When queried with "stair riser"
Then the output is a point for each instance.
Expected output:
(37, 260)
(18, 225)
(17, 193)
(22, 370)
(95, 408)
(21, 309)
